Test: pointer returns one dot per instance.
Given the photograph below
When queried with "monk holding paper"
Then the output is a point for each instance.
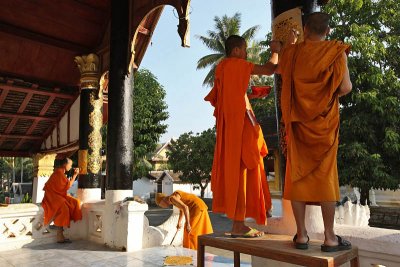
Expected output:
(58, 206)
(238, 179)
(314, 76)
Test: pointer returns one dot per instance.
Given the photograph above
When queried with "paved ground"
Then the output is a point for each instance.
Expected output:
(85, 253)
(220, 224)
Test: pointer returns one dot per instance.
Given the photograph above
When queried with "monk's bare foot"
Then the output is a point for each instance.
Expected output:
(60, 236)
(331, 239)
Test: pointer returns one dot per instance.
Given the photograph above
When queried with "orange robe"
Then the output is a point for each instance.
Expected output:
(311, 75)
(238, 178)
(58, 206)
(199, 219)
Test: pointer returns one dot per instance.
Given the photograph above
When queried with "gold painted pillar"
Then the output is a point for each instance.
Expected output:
(90, 123)
(43, 167)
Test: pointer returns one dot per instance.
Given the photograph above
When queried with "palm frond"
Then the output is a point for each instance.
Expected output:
(250, 33)
(210, 43)
(209, 60)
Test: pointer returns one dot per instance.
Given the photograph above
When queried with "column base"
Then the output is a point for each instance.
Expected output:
(123, 223)
(88, 194)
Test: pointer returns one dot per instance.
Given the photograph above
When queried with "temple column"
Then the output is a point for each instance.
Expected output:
(123, 221)
(90, 123)
(43, 167)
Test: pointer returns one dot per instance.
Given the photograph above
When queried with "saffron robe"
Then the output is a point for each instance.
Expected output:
(57, 204)
(238, 179)
(312, 72)
(199, 219)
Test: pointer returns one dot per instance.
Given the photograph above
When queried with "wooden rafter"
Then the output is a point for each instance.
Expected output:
(22, 136)
(3, 96)
(36, 121)
(35, 91)
(28, 117)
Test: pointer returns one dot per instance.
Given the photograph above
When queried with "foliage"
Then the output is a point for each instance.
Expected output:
(215, 40)
(192, 155)
(26, 199)
(149, 115)
(369, 150)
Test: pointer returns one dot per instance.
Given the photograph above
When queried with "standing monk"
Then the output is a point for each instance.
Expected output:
(58, 206)
(238, 179)
(314, 76)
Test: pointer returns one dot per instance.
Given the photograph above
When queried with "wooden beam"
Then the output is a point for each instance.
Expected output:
(21, 136)
(35, 91)
(15, 154)
(28, 117)
(69, 126)
(41, 38)
(3, 96)
(47, 105)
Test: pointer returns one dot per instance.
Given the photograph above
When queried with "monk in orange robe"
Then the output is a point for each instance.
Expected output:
(58, 206)
(195, 212)
(314, 76)
(238, 179)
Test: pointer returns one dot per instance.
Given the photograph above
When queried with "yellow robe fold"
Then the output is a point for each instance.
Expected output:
(238, 178)
(311, 75)
(199, 219)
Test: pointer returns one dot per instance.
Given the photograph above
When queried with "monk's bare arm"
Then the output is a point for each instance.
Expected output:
(177, 202)
(346, 85)
(268, 68)
(76, 172)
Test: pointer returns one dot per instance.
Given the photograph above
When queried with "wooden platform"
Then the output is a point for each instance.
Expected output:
(276, 247)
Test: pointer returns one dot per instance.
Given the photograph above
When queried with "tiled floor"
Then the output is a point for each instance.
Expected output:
(84, 253)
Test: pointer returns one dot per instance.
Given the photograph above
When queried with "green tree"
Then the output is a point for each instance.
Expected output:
(192, 155)
(369, 150)
(149, 116)
(215, 41)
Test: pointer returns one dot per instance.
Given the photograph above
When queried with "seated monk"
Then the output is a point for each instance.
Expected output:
(58, 206)
(314, 76)
(196, 215)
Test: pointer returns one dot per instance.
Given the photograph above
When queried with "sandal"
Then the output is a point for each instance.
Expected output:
(252, 233)
(302, 246)
(65, 241)
(343, 245)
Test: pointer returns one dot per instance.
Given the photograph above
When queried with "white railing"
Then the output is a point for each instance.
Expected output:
(22, 225)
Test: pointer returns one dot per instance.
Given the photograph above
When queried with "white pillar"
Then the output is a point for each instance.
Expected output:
(43, 168)
(88, 194)
(123, 224)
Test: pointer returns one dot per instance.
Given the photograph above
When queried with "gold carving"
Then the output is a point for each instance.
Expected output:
(43, 164)
(83, 161)
(95, 138)
(89, 67)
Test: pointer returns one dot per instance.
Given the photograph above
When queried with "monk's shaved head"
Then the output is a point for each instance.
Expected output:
(233, 41)
(317, 23)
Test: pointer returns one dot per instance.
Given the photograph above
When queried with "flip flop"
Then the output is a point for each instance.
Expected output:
(65, 241)
(253, 233)
(302, 246)
(343, 245)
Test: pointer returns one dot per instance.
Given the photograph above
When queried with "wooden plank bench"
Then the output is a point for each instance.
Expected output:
(278, 248)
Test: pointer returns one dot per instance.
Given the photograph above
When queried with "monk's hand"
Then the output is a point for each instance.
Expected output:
(179, 225)
(275, 46)
(76, 171)
(293, 36)
(188, 228)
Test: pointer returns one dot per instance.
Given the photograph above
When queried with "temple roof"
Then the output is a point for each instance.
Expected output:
(39, 79)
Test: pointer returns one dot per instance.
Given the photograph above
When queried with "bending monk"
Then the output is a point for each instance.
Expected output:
(239, 182)
(314, 76)
(58, 206)
(196, 215)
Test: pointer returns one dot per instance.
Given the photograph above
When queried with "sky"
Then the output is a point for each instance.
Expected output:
(175, 66)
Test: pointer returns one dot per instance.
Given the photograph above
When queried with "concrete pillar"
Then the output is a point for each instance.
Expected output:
(43, 168)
